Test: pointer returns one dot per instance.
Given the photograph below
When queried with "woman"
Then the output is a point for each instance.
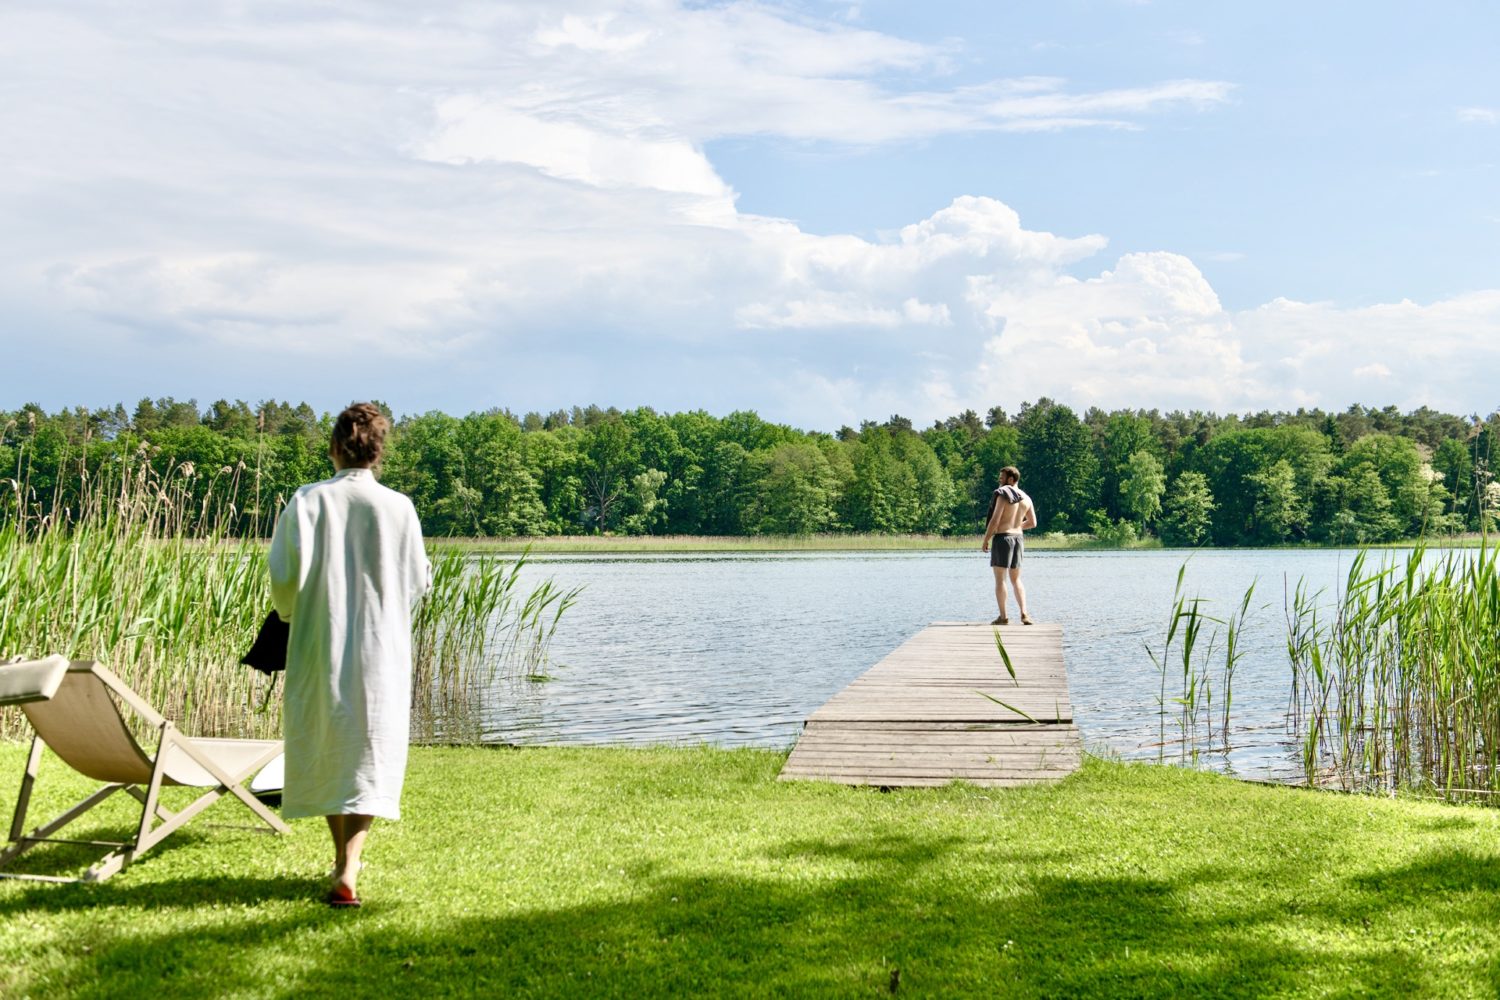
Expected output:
(347, 566)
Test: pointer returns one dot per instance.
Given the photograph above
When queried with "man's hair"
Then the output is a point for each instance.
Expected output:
(1010, 472)
(359, 434)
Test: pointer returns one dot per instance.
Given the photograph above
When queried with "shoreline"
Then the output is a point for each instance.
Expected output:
(676, 544)
(642, 544)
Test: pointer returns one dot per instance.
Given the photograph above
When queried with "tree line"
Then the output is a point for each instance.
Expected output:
(1189, 478)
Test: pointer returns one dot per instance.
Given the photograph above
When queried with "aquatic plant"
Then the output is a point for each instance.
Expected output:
(1193, 663)
(143, 573)
(1397, 685)
(473, 630)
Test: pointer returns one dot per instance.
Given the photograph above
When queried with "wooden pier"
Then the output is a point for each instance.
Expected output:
(920, 716)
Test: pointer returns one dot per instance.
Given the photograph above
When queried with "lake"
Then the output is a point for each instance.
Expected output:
(737, 650)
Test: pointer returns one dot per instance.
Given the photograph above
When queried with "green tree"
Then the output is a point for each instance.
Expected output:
(553, 457)
(1237, 463)
(1059, 467)
(1188, 510)
(1141, 487)
(1398, 465)
(645, 511)
(795, 491)
(879, 496)
(231, 419)
(663, 450)
(168, 412)
(610, 461)
(697, 433)
(1451, 461)
(999, 447)
(932, 488)
(728, 484)
(426, 459)
(1354, 507)
(1278, 512)
(1125, 435)
(496, 467)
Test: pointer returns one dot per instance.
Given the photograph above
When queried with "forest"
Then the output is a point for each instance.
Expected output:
(1359, 476)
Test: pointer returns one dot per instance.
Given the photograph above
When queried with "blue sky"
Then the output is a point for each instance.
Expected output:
(1339, 166)
(824, 212)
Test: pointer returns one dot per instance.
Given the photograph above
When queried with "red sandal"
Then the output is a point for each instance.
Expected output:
(342, 899)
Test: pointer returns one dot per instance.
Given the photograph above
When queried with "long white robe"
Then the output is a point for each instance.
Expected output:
(347, 568)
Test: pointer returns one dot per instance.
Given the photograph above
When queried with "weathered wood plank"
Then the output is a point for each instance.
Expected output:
(875, 781)
(937, 765)
(918, 717)
(1052, 736)
(929, 726)
(885, 774)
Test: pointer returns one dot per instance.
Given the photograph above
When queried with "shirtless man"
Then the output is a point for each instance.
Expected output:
(1011, 513)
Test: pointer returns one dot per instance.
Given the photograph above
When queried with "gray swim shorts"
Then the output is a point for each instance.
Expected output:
(1005, 551)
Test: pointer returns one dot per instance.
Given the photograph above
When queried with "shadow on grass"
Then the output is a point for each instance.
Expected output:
(1441, 872)
(183, 893)
(887, 849)
(784, 935)
(64, 860)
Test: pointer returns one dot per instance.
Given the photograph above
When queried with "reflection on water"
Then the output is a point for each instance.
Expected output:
(737, 650)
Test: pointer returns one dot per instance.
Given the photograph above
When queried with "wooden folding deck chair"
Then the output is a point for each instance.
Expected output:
(70, 707)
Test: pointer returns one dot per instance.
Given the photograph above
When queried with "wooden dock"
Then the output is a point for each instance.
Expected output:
(918, 717)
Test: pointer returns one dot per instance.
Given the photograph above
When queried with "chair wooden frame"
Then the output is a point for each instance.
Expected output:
(220, 765)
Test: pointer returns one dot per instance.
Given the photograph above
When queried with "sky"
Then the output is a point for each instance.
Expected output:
(824, 212)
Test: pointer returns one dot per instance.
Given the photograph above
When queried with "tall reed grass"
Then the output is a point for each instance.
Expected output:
(1397, 684)
(474, 632)
(1192, 660)
(142, 573)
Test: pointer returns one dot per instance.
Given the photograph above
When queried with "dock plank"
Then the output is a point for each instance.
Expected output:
(920, 717)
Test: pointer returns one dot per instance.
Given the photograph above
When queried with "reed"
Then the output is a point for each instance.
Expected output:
(139, 569)
(1397, 683)
(1192, 660)
(472, 634)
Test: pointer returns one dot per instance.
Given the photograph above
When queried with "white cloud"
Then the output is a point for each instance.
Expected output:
(470, 130)
(1479, 116)
(590, 34)
(512, 204)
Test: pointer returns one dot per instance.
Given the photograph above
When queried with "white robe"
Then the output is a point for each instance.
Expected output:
(347, 567)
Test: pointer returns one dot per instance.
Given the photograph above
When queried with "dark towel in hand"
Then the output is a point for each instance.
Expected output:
(268, 654)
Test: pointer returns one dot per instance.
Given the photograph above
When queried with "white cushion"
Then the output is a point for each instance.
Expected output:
(31, 680)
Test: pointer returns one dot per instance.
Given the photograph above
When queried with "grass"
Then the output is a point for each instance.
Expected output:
(692, 872)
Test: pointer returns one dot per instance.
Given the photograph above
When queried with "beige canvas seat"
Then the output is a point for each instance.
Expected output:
(73, 709)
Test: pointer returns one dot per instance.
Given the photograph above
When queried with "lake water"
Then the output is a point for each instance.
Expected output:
(737, 650)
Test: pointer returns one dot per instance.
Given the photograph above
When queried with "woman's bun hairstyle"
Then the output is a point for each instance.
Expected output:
(359, 434)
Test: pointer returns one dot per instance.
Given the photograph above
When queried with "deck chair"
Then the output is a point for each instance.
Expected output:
(73, 709)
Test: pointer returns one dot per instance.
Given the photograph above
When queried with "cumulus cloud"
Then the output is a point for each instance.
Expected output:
(511, 204)
(1479, 116)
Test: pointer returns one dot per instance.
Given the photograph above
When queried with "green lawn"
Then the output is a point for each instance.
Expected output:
(552, 872)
